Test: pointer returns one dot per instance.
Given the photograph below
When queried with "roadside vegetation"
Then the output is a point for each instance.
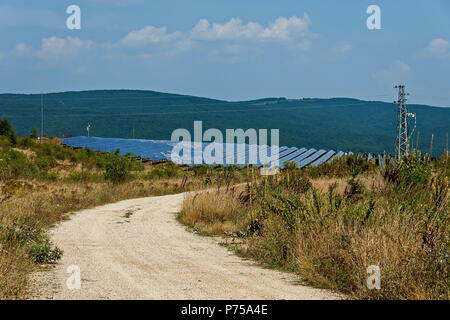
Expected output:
(329, 224)
(41, 184)
(326, 224)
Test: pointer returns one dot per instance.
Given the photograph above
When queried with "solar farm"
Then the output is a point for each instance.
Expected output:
(161, 150)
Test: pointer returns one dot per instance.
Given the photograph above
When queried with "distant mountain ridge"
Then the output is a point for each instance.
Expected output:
(336, 123)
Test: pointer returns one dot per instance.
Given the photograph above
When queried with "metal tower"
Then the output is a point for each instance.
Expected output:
(404, 133)
(42, 117)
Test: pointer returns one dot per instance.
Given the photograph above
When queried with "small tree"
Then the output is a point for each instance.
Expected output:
(117, 168)
(33, 133)
(7, 130)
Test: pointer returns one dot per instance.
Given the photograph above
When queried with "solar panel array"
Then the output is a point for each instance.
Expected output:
(242, 154)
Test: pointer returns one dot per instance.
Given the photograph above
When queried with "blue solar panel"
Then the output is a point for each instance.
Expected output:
(292, 155)
(380, 161)
(323, 159)
(311, 158)
(150, 149)
(266, 153)
(303, 156)
(244, 157)
(240, 154)
(338, 155)
(287, 152)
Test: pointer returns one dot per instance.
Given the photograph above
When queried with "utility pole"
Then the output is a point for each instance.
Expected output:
(404, 134)
(42, 117)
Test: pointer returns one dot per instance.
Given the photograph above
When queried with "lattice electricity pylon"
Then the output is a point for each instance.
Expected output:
(403, 131)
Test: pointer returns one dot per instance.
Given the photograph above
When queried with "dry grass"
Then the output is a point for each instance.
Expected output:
(214, 212)
(14, 267)
(369, 181)
(336, 254)
(331, 233)
(40, 205)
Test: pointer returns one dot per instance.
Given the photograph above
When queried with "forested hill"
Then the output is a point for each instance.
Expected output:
(338, 123)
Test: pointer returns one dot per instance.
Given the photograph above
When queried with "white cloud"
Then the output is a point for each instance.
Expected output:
(21, 49)
(282, 29)
(147, 35)
(399, 72)
(438, 48)
(58, 47)
(343, 48)
(293, 31)
(232, 30)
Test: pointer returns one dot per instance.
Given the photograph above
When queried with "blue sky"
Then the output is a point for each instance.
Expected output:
(233, 49)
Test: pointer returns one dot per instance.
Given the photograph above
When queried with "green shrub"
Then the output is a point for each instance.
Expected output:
(33, 133)
(415, 175)
(136, 164)
(168, 171)
(43, 251)
(47, 175)
(117, 168)
(157, 173)
(4, 142)
(25, 143)
(410, 171)
(7, 130)
(23, 233)
(14, 165)
(289, 207)
(83, 176)
(290, 165)
(352, 165)
(274, 245)
(355, 189)
(45, 162)
(173, 170)
(290, 180)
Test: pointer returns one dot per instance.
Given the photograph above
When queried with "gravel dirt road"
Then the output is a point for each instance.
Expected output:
(136, 249)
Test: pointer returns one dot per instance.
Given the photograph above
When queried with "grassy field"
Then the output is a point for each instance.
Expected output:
(42, 184)
(329, 224)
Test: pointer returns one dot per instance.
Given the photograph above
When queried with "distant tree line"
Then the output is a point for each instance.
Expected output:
(7, 130)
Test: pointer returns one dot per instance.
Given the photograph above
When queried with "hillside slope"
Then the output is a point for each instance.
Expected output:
(338, 123)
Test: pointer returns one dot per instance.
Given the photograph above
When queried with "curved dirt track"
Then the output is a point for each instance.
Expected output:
(135, 249)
